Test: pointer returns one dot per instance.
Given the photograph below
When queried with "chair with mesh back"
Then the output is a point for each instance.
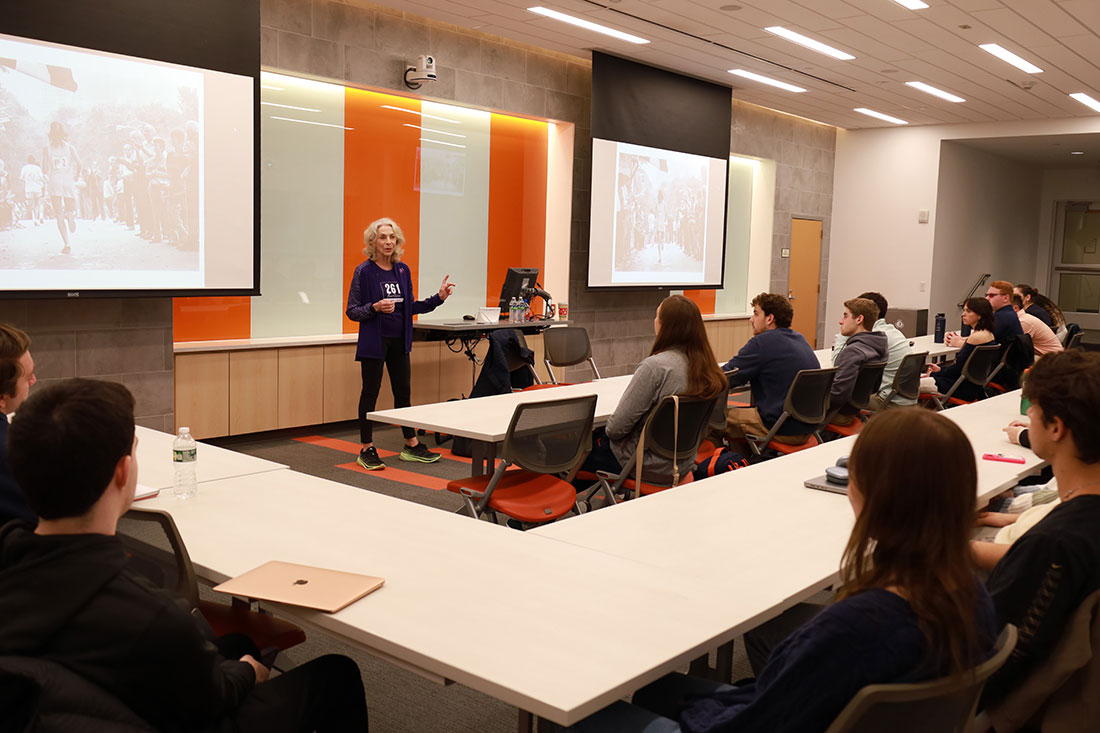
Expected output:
(566, 346)
(156, 551)
(906, 382)
(868, 381)
(1016, 357)
(1074, 341)
(545, 440)
(711, 446)
(945, 705)
(808, 402)
(673, 431)
(979, 368)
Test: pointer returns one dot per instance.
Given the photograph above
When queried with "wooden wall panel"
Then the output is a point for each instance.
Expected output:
(342, 383)
(301, 386)
(253, 391)
(202, 393)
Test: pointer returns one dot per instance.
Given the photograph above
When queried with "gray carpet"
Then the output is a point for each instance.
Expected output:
(399, 700)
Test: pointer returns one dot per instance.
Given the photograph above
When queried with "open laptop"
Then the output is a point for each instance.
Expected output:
(302, 585)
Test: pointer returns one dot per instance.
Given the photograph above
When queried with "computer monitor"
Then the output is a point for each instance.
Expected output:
(515, 281)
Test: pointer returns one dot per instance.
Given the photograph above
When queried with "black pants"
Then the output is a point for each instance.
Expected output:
(324, 695)
(396, 361)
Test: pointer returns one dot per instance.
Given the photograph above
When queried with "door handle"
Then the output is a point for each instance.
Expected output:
(790, 295)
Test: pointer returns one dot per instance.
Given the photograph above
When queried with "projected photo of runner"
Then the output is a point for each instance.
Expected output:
(101, 162)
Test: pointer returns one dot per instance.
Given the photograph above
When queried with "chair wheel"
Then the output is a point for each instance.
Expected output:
(584, 506)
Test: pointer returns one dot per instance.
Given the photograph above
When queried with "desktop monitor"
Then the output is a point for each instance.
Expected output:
(515, 281)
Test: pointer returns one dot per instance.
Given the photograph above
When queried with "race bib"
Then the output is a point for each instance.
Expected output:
(392, 291)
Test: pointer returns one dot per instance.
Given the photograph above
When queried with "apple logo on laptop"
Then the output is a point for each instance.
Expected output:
(300, 581)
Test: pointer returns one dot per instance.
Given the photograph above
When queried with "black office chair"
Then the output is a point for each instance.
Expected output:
(978, 370)
(567, 346)
(944, 705)
(808, 402)
(868, 382)
(906, 382)
(1074, 341)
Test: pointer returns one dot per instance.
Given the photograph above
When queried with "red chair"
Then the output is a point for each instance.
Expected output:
(545, 440)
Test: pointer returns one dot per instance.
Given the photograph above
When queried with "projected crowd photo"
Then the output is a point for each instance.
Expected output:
(660, 212)
(99, 162)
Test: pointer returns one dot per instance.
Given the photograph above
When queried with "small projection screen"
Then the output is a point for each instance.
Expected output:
(660, 154)
(123, 174)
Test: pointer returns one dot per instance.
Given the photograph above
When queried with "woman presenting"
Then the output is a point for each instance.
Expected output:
(381, 299)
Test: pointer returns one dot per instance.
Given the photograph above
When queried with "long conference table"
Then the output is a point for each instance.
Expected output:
(524, 616)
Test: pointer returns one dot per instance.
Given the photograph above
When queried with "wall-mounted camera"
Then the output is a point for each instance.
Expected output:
(424, 71)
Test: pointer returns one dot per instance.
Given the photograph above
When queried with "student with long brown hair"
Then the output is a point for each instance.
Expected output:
(910, 607)
(681, 362)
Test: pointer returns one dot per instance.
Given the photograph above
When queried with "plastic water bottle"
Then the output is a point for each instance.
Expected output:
(512, 310)
(184, 457)
(524, 311)
(941, 328)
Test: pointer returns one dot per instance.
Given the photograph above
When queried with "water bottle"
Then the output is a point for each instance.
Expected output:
(512, 310)
(525, 311)
(184, 457)
(941, 328)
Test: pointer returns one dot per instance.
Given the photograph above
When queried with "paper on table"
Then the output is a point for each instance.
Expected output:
(144, 492)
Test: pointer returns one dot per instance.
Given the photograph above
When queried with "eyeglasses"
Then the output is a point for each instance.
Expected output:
(991, 295)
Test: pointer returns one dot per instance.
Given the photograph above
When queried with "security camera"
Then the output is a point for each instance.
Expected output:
(422, 72)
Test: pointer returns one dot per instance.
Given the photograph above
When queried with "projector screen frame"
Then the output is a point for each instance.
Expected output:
(201, 34)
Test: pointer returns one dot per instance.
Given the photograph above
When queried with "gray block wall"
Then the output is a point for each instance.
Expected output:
(126, 340)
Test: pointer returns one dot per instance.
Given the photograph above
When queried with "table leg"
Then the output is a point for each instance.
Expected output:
(483, 457)
(524, 721)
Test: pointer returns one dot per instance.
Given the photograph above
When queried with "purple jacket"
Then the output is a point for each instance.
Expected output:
(365, 291)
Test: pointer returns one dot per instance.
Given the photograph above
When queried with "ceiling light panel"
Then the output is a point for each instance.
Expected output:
(880, 116)
(766, 80)
(912, 4)
(1008, 57)
(928, 89)
(587, 25)
(1086, 100)
(809, 43)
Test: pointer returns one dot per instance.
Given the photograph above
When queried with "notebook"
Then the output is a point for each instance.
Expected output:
(302, 585)
(141, 491)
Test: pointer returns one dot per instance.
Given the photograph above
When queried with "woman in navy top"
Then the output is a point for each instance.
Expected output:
(910, 608)
(381, 299)
(978, 314)
(1040, 306)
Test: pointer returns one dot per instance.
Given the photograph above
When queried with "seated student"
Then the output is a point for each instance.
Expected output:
(897, 348)
(1051, 569)
(977, 314)
(1043, 339)
(769, 363)
(910, 607)
(67, 595)
(862, 346)
(1033, 307)
(681, 362)
(1006, 323)
(16, 379)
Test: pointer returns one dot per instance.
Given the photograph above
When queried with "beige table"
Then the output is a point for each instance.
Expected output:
(156, 471)
(917, 344)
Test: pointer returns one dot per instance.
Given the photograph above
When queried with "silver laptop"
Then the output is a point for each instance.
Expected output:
(302, 585)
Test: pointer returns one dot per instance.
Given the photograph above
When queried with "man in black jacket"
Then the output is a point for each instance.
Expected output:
(863, 346)
(16, 379)
(67, 595)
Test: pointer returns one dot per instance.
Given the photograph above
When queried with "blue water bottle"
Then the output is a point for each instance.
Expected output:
(941, 328)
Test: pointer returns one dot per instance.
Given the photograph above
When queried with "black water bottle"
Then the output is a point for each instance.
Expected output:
(941, 327)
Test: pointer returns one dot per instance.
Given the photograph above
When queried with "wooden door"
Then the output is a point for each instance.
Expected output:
(804, 282)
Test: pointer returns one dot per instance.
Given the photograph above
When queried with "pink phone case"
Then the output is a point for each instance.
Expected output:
(1002, 458)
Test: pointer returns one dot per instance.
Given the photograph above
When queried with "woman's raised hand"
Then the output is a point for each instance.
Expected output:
(446, 288)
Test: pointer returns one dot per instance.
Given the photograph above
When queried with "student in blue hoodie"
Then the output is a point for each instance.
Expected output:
(769, 363)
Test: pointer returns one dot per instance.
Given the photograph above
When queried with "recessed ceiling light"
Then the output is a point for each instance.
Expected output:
(912, 4)
(879, 115)
(1077, 152)
(766, 80)
(1007, 56)
(587, 25)
(1086, 100)
(809, 43)
(934, 91)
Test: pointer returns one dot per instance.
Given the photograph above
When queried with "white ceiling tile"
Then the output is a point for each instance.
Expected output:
(970, 6)
(1086, 12)
(1046, 15)
(1014, 27)
(1070, 62)
(888, 34)
(800, 17)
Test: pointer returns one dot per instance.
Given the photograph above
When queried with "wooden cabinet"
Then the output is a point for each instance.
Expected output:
(202, 393)
(301, 386)
(253, 391)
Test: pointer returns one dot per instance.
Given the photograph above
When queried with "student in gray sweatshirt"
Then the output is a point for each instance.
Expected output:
(681, 363)
(863, 346)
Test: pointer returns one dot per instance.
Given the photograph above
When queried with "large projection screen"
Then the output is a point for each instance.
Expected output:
(657, 217)
(123, 174)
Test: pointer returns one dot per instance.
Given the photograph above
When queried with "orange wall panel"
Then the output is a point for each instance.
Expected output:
(705, 299)
(380, 174)
(517, 199)
(211, 319)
